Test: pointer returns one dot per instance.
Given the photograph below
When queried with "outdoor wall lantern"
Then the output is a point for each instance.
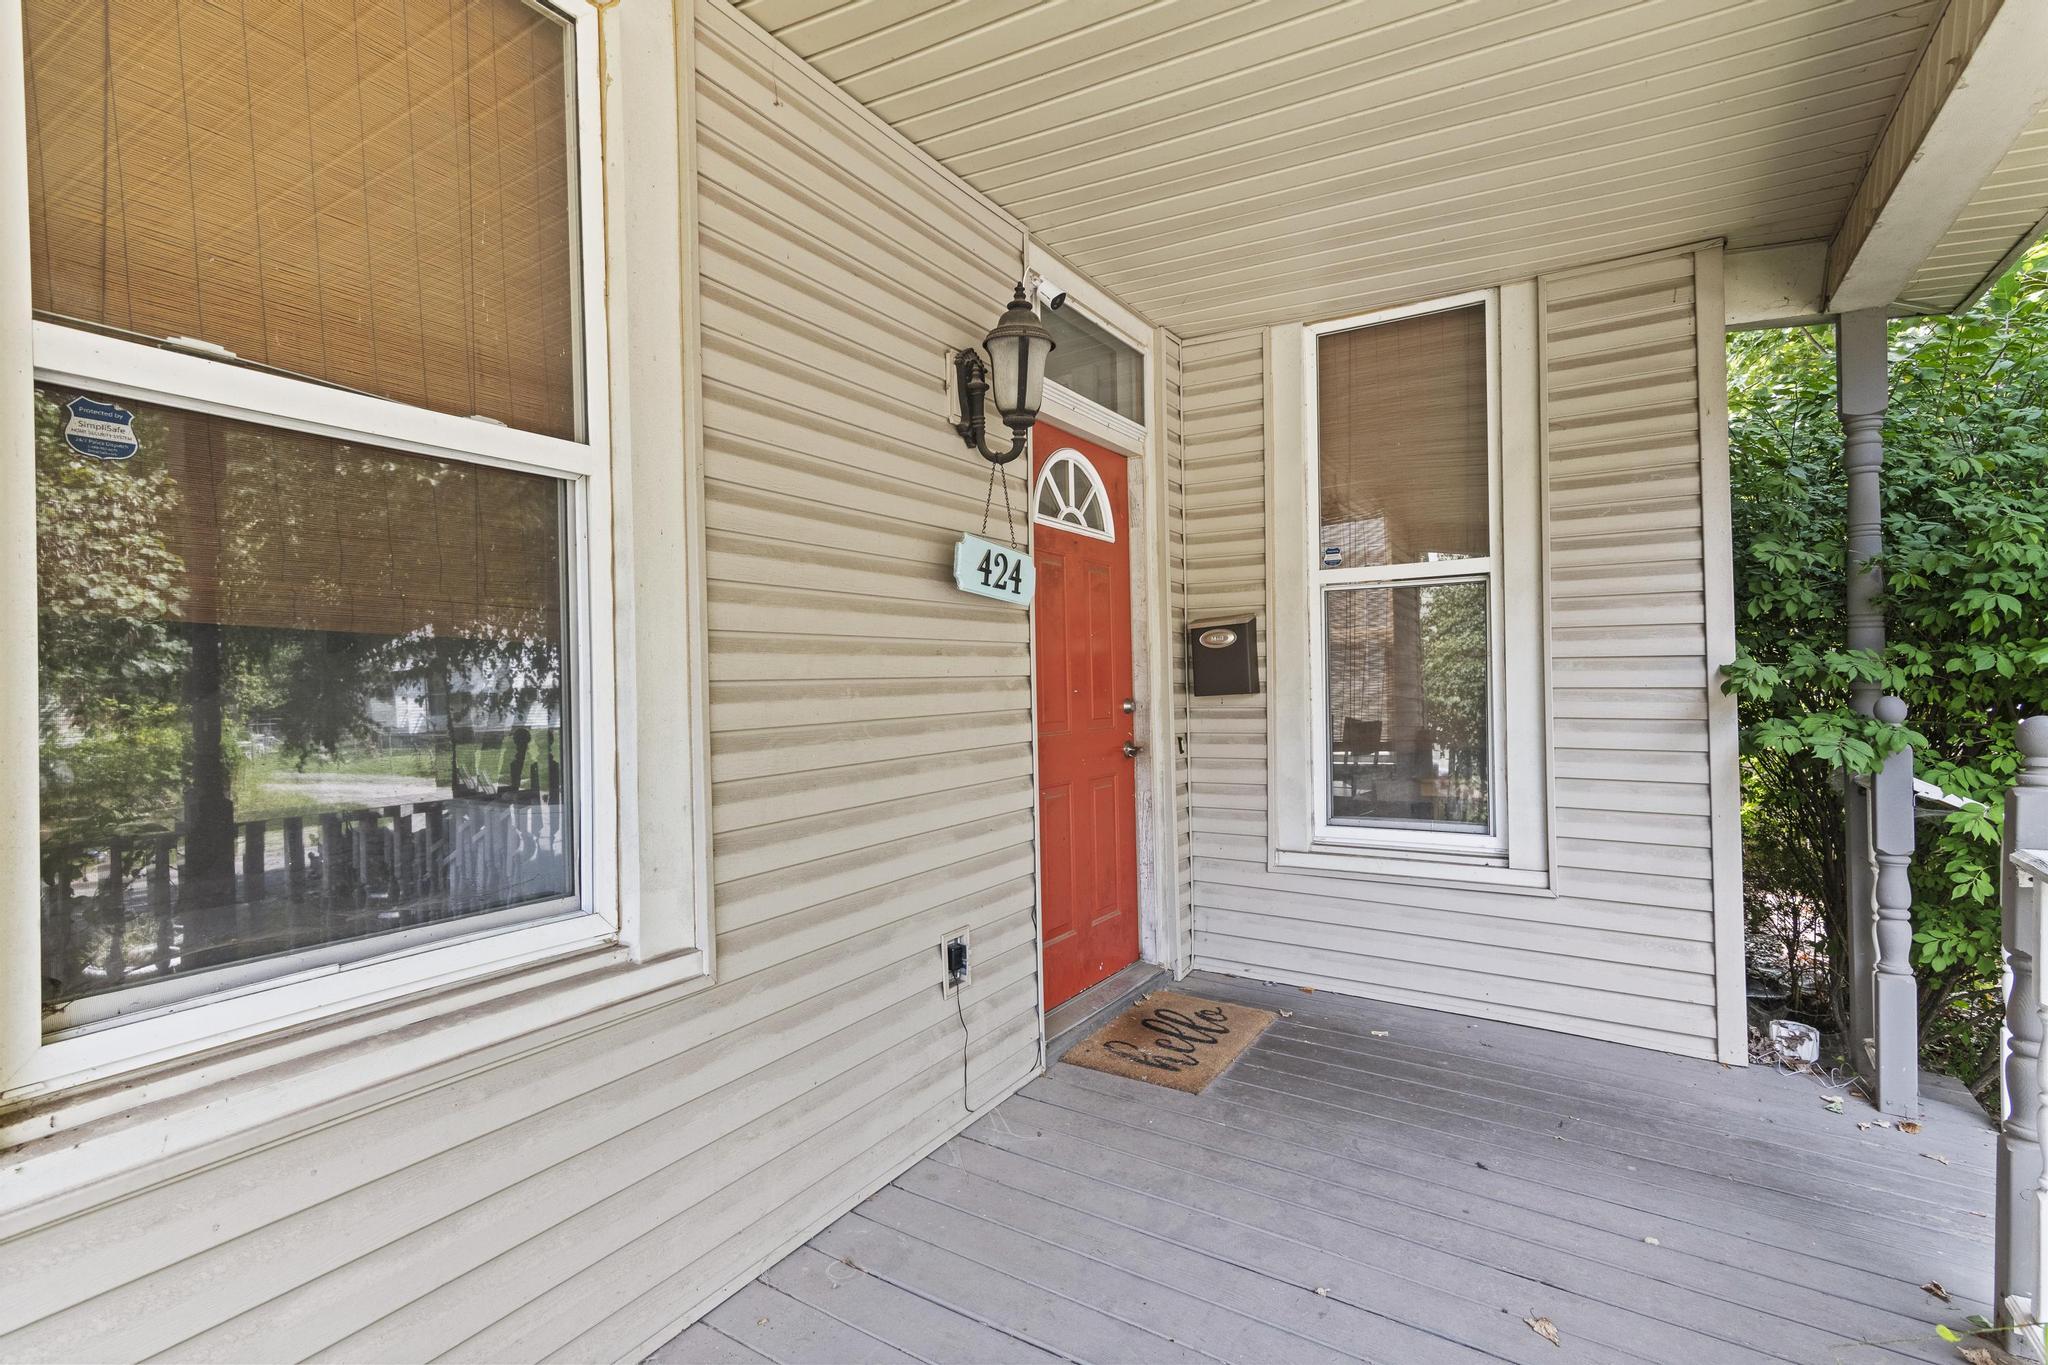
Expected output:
(1015, 369)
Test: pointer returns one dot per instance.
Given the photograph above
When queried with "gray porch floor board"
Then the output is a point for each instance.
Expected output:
(1376, 1182)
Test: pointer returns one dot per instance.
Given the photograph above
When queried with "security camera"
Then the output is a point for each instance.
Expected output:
(1057, 301)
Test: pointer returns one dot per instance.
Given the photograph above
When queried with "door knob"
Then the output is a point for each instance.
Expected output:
(1132, 748)
(1130, 705)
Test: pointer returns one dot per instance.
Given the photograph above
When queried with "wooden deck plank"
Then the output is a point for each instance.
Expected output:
(1087, 1276)
(1271, 1240)
(1440, 1178)
(1703, 1096)
(1761, 1177)
(704, 1344)
(775, 1325)
(1435, 1180)
(923, 1328)
(1324, 1325)
(1811, 1290)
(1657, 1208)
(1008, 1303)
(1506, 1272)
(1490, 1142)
(1731, 1100)
(1350, 1104)
(1888, 1161)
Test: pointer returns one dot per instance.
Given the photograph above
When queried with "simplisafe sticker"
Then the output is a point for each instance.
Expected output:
(102, 430)
(1333, 556)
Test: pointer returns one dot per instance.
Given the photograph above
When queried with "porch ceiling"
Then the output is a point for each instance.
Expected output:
(1228, 163)
(2006, 216)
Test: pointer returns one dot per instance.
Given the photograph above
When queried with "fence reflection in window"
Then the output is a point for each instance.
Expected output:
(294, 692)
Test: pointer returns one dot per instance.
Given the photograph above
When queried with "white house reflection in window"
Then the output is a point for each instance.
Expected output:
(295, 691)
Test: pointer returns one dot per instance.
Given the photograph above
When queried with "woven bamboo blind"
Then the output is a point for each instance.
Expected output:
(1401, 438)
(287, 530)
(370, 193)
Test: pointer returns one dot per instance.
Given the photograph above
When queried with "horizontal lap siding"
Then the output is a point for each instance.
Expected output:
(870, 759)
(1625, 949)
(1171, 421)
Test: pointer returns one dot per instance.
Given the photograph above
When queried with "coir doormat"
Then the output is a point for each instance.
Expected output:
(1173, 1040)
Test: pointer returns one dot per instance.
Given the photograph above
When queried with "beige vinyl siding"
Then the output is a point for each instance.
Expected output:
(1223, 418)
(586, 1190)
(1625, 949)
(1173, 446)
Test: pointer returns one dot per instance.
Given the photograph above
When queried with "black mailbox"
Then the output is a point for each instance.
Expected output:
(1223, 655)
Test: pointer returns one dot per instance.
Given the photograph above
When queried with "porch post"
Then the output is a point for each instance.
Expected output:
(1860, 397)
(2018, 1264)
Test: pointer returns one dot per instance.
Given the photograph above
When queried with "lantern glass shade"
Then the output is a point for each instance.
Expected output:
(1022, 393)
(1017, 349)
(1017, 374)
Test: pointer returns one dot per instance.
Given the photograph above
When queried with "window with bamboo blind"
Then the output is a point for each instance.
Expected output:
(1404, 568)
(375, 195)
(308, 691)
(1401, 431)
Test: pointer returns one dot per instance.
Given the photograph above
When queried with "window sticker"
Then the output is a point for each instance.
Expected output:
(103, 431)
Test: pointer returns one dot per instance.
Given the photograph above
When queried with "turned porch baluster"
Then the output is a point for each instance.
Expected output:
(1895, 996)
(2021, 1173)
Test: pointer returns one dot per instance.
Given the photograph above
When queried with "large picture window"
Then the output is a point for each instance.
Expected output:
(319, 486)
(1404, 593)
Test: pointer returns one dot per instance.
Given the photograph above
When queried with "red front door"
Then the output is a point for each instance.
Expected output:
(1088, 859)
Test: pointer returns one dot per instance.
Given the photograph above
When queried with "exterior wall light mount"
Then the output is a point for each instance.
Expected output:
(1015, 370)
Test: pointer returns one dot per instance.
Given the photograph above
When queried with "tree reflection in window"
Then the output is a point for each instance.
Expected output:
(294, 691)
(1407, 692)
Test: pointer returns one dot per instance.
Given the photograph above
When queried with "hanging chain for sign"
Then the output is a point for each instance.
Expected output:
(986, 569)
(995, 471)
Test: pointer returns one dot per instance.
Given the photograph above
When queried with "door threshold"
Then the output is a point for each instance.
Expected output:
(1068, 1023)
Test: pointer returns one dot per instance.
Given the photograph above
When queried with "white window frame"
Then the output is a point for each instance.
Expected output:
(1513, 852)
(1407, 836)
(493, 956)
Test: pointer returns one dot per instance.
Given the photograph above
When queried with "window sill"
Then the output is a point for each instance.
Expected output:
(93, 1134)
(1454, 871)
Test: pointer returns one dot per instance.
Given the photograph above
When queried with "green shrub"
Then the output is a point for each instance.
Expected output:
(1965, 570)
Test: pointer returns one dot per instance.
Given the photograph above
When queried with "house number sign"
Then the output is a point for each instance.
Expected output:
(987, 569)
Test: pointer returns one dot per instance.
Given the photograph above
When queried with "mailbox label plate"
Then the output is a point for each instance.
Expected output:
(987, 569)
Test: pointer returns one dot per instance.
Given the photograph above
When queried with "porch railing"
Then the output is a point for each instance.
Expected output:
(2022, 1178)
(122, 913)
(1884, 1001)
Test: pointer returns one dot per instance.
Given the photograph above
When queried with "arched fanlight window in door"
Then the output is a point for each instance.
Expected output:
(1071, 496)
